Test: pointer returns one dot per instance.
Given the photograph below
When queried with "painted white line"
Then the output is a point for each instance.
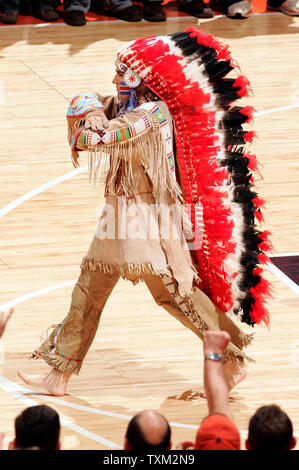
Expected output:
(283, 278)
(96, 411)
(91, 435)
(277, 255)
(36, 293)
(276, 110)
(18, 391)
(111, 414)
(20, 200)
(12, 303)
(89, 409)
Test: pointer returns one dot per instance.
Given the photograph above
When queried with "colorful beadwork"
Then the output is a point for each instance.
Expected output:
(132, 79)
(58, 354)
(80, 104)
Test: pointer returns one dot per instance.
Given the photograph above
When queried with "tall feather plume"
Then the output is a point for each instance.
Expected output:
(189, 71)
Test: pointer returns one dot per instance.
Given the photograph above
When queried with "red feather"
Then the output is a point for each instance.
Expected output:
(252, 164)
(248, 111)
(258, 202)
(242, 82)
(259, 216)
(263, 258)
(249, 136)
(198, 146)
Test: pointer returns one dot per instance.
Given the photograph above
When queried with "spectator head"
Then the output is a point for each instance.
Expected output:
(37, 427)
(30, 448)
(217, 432)
(270, 428)
(148, 430)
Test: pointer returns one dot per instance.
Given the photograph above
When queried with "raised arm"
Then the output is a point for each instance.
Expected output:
(98, 131)
(143, 135)
(216, 388)
(92, 121)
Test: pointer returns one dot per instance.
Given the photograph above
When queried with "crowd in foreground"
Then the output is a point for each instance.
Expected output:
(74, 11)
(270, 428)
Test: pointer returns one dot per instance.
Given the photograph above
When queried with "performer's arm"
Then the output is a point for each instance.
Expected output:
(117, 130)
(90, 110)
(216, 388)
(97, 119)
(97, 124)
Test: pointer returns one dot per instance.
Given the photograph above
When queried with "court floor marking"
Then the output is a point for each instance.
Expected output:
(39, 189)
(111, 414)
(12, 303)
(278, 255)
(36, 293)
(19, 393)
(33, 294)
(276, 110)
(283, 278)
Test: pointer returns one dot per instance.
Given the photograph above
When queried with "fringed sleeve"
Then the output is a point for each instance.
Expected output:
(79, 106)
(142, 136)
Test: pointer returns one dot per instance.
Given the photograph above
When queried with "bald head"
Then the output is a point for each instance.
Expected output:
(153, 426)
(148, 430)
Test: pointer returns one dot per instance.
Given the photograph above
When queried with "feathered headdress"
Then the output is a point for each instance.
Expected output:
(188, 71)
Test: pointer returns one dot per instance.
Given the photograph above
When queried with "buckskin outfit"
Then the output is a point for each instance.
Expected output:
(180, 209)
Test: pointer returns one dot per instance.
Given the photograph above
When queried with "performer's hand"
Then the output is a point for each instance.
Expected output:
(215, 341)
(185, 445)
(4, 317)
(96, 120)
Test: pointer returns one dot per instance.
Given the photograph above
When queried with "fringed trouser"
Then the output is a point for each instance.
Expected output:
(67, 345)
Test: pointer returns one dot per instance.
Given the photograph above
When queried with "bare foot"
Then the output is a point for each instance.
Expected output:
(233, 376)
(55, 382)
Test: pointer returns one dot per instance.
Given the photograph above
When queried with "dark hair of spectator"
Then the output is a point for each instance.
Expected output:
(37, 426)
(137, 441)
(270, 428)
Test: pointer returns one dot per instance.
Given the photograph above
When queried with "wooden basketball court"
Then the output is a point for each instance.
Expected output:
(141, 357)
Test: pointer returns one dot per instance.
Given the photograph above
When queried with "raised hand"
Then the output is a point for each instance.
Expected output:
(216, 341)
(96, 120)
